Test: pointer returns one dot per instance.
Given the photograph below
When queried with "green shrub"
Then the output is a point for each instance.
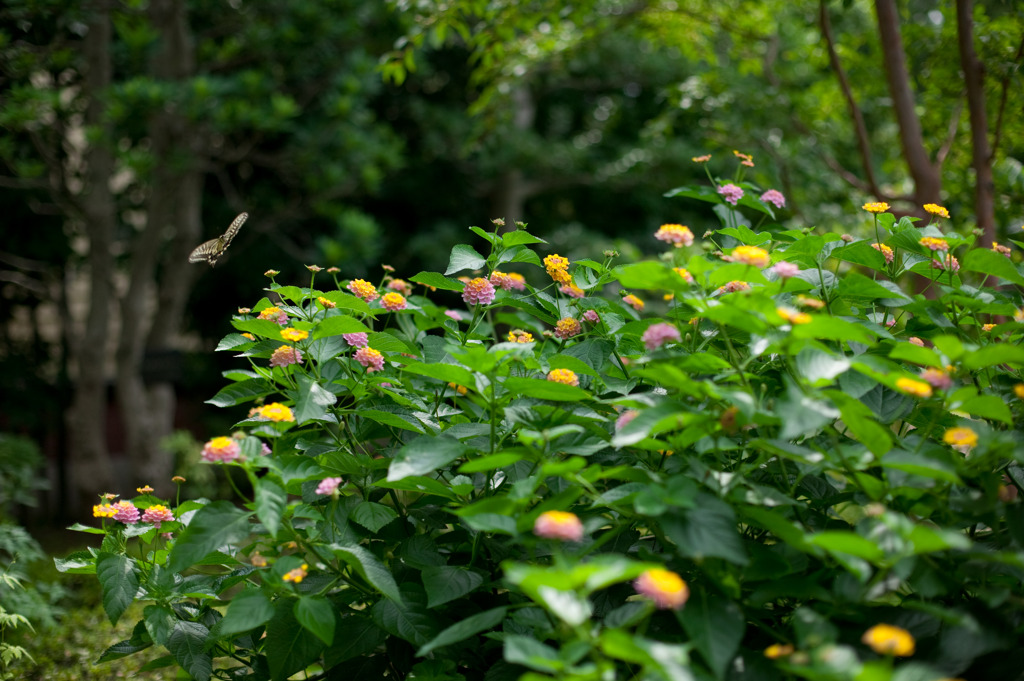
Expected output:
(769, 459)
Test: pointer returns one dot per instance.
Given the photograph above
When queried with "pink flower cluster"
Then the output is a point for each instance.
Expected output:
(479, 291)
(356, 340)
(657, 335)
(775, 197)
(731, 193)
(221, 450)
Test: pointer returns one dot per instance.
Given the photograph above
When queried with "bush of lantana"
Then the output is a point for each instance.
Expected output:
(765, 453)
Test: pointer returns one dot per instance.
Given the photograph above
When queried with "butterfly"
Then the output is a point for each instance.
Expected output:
(211, 250)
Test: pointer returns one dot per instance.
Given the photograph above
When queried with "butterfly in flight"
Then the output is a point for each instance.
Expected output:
(211, 250)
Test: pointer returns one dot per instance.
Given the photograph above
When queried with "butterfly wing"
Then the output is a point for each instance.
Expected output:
(207, 251)
(211, 250)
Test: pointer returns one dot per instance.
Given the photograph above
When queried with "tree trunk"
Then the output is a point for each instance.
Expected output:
(173, 210)
(974, 76)
(927, 180)
(512, 190)
(90, 471)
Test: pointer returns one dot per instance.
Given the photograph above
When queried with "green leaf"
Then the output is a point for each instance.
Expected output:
(119, 578)
(270, 502)
(407, 619)
(311, 399)
(520, 237)
(186, 644)
(369, 567)
(531, 653)
(801, 414)
(449, 373)
(425, 454)
(437, 281)
(444, 583)
(464, 257)
(289, 646)
(421, 484)
(989, 407)
(316, 615)
(247, 610)
(856, 285)
(716, 627)
(542, 389)
(464, 628)
(649, 275)
(242, 392)
(823, 327)
(212, 527)
(921, 465)
(568, 606)
(989, 262)
(372, 516)
(820, 367)
(258, 327)
(746, 236)
(354, 636)
(860, 422)
(491, 462)
(708, 530)
(993, 355)
(160, 622)
(849, 543)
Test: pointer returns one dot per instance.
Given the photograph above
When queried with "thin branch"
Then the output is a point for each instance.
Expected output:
(861, 130)
(954, 123)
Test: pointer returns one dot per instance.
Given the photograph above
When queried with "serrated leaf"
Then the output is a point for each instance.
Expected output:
(119, 578)
(991, 263)
(715, 626)
(121, 649)
(371, 569)
(270, 501)
(159, 621)
(316, 615)
(425, 454)
(449, 373)
(354, 636)
(241, 392)
(531, 653)
(264, 328)
(464, 257)
(435, 280)
(408, 619)
(186, 644)
(248, 610)
(707, 530)
(212, 527)
(372, 516)
(463, 629)
(290, 647)
(444, 583)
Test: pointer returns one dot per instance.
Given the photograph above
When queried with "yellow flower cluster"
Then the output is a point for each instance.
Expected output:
(886, 639)
(519, 336)
(558, 268)
(933, 243)
(914, 387)
(936, 209)
(961, 436)
(294, 335)
(792, 316)
(879, 207)
(563, 376)
(751, 255)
